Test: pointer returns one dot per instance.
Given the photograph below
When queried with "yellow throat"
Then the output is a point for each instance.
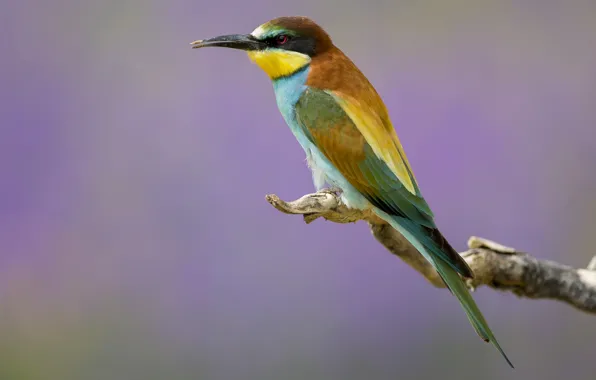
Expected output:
(279, 63)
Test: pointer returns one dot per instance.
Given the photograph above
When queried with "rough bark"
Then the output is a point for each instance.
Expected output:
(493, 264)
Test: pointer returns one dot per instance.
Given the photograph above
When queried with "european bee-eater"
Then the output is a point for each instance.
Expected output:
(344, 128)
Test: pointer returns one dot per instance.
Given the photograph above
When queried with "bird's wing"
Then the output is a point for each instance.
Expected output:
(365, 150)
(367, 153)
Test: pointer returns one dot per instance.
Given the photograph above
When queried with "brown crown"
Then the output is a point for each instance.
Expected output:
(305, 27)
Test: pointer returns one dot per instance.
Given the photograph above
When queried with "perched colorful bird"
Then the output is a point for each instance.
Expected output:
(344, 127)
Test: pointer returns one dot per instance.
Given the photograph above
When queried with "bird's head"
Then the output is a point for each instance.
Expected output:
(280, 47)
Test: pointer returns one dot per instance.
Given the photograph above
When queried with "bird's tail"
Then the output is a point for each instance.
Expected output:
(421, 238)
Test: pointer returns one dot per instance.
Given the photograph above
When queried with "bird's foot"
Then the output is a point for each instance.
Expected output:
(324, 204)
(331, 190)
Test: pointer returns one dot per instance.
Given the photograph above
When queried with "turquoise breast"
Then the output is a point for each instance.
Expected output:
(287, 93)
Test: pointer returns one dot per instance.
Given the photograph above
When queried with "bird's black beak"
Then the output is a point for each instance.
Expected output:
(233, 41)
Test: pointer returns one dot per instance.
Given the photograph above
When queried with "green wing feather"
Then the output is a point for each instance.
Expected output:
(329, 127)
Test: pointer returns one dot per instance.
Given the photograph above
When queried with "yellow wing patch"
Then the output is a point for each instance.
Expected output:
(279, 63)
(381, 137)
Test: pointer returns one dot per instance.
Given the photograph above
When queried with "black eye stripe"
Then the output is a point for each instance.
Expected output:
(300, 44)
(275, 40)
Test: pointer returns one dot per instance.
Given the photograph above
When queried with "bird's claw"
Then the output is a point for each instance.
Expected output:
(331, 190)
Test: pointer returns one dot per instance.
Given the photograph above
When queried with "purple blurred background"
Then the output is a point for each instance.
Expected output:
(136, 241)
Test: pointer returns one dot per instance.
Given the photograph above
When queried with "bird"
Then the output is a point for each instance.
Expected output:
(343, 126)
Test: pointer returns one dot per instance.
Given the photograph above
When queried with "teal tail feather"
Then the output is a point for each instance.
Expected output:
(426, 245)
(460, 290)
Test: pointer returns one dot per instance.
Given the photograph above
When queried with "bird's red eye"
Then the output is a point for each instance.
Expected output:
(281, 39)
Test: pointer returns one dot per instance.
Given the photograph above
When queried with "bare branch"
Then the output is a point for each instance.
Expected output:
(495, 265)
